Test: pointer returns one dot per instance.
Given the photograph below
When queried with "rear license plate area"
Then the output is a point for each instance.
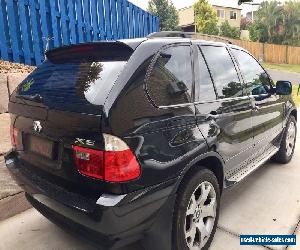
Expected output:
(41, 146)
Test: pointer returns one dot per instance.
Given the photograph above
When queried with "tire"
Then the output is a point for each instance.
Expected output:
(287, 146)
(199, 185)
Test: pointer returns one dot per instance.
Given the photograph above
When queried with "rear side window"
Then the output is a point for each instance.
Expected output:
(73, 86)
(171, 78)
(257, 82)
(223, 72)
(204, 88)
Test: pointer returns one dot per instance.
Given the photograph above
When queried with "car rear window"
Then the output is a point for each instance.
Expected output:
(76, 78)
(76, 87)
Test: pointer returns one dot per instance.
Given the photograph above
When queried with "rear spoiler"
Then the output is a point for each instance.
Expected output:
(91, 52)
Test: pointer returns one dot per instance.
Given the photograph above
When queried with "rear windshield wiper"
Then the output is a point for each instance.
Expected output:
(34, 98)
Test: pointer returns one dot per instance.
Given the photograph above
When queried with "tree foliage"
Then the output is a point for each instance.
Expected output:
(228, 31)
(254, 32)
(231, 89)
(167, 13)
(276, 23)
(269, 17)
(291, 23)
(211, 28)
(205, 18)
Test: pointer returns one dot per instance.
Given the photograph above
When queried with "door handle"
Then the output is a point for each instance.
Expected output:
(213, 115)
(256, 108)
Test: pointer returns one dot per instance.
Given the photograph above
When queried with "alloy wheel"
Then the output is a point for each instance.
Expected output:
(200, 216)
(290, 138)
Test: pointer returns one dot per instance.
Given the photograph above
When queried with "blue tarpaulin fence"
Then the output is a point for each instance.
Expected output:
(29, 27)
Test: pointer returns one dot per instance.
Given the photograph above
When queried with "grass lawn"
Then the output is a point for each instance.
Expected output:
(283, 67)
(295, 97)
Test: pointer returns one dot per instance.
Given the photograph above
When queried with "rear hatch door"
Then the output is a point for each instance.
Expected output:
(60, 105)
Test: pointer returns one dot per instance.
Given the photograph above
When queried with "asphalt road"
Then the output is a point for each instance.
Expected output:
(267, 202)
(283, 75)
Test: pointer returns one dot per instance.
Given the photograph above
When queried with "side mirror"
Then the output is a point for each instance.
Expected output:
(284, 88)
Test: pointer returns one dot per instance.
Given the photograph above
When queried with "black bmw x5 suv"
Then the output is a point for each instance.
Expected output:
(136, 139)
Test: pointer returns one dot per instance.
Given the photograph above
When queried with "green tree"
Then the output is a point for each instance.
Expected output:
(205, 18)
(167, 13)
(211, 28)
(291, 23)
(277, 23)
(269, 19)
(228, 31)
(232, 89)
(254, 32)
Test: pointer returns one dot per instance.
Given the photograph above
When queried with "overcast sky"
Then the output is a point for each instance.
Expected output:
(185, 3)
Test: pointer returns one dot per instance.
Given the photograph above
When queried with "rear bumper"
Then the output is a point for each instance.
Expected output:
(110, 221)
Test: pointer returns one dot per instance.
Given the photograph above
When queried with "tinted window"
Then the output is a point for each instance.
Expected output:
(256, 79)
(170, 81)
(72, 86)
(223, 72)
(204, 88)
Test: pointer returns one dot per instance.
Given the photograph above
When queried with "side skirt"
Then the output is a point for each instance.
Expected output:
(251, 167)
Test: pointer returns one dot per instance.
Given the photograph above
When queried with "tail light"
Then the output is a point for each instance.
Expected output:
(116, 163)
(14, 136)
(89, 162)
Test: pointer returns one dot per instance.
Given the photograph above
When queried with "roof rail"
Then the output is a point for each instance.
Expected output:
(182, 34)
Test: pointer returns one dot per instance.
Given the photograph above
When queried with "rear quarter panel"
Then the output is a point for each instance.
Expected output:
(164, 140)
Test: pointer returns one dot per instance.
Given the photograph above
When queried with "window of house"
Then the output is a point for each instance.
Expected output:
(170, 82)
(221, 13)
(223, 71)
(257, 82)
(204, 88)
(233, 15)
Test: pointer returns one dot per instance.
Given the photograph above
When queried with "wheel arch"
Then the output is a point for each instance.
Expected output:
(294, 113)
(211, 161)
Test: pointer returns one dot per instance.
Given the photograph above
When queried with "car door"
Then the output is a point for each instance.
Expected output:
(223, 111)
(267, 113)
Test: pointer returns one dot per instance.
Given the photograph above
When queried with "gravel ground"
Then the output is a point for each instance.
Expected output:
(8, 67)
(284, 75)
(5, 144)
(8, 185)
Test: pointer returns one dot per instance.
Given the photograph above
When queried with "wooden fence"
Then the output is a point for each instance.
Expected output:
(270, 53)
(29, 27)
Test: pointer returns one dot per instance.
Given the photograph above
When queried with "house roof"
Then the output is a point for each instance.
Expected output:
(214, 5)
(186, 16)
(229, 7)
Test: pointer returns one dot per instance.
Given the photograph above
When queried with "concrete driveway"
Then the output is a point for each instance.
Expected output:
(267, 202)
(283, 75)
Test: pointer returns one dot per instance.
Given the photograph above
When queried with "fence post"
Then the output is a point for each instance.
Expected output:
(11, 13)
(4, 28)
(263, 52)
(287, 54)
(125, 23)
(29, 25)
